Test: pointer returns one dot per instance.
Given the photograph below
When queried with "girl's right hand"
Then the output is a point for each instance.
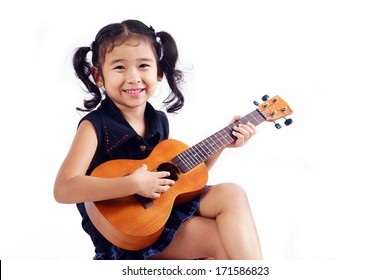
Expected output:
(151, 184)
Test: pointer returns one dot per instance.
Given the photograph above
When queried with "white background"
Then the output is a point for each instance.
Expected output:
(318, 188)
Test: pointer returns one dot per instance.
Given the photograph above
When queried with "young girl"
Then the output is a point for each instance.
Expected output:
(129, 59)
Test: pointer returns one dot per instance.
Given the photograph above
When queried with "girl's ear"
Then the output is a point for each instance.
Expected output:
(96, 76)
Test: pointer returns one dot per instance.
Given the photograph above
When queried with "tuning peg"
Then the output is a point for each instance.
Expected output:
(265, 98)
(256, 103)
(287, 122)
(277, 125)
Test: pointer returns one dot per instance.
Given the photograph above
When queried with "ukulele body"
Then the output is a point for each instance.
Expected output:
(125, 221)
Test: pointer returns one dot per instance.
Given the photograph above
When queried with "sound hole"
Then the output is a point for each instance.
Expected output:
(174, 175)
(146, 202)
(172, 169)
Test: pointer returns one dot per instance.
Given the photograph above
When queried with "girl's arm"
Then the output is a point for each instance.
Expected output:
(73, 186)
(242, 132)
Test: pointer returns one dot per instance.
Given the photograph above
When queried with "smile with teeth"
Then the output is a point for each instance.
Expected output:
(134, 92)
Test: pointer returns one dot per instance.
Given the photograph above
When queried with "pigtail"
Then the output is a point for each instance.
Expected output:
(168, 53)
(83, 70)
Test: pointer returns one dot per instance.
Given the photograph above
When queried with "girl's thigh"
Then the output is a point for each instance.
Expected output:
(198, 237)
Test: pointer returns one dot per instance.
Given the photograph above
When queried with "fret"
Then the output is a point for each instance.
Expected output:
(218, 138)
(224, 138)
(244, 118)
(257, 117)
(257, 120)
(181, 163)
(200, 152)
(191, 159)
(188, 159)
(197, 155)
(210, 145)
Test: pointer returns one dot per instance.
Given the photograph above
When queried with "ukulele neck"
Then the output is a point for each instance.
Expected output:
(200, 152)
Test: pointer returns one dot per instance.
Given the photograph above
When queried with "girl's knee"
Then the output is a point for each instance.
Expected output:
(231, 192)
(223, 198)
(233, 189)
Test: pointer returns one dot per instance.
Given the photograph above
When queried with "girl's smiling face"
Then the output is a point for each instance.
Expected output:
(129, 74)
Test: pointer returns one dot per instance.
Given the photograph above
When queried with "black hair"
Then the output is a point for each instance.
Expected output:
(115, 34)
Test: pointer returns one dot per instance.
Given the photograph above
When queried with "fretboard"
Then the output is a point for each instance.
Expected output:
(200, 152)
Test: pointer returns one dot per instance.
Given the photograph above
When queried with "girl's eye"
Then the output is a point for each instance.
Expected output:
(120, 67)
(144, 65)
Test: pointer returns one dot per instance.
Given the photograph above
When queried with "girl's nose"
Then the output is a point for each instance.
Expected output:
(133, 78)
(136, 80)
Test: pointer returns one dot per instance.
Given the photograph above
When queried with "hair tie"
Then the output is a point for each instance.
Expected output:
(152, 29)
(158, 40)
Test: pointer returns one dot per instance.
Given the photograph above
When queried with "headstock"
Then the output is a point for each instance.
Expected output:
(273, 109)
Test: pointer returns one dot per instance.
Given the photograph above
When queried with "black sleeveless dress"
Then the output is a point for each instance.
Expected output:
(118, 140)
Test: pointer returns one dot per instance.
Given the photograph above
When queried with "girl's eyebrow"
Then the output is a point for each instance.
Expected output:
(138, 59)
(116, 61)
(145, 59)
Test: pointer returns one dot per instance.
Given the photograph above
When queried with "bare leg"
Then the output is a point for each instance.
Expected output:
(228, 204)
(198, 237)
(224, 230)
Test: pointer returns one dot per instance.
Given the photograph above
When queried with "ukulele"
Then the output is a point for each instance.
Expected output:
(135, 222)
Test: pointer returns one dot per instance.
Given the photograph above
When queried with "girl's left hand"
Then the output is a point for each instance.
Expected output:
(243, 132)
